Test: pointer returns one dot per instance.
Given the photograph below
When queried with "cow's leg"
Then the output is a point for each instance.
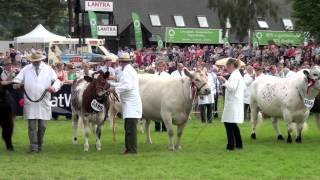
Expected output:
(97, 134)
(75, 122)
(275, 124)
(254, 119)
(167, 119)
(86, 133)
(141, 123)
(147, 127)
(180, 129)
(288, 119)
(7, 132)
(299, 132)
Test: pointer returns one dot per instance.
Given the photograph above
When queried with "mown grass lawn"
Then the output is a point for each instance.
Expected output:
(203, 155)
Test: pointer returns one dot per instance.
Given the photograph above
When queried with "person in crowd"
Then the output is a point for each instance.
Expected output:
(216, 87)
(160, 126)
(233, 107)
(8, 72)
(60, 72)
(71, 74)
(128, 89)
(288, 73)
(273, 71)
(179, 73)
(39, 81)
(107, 66)
(248, 80)
(85, 71)
(206, 102)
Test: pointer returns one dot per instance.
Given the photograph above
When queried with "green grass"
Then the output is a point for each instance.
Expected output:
(203, 155)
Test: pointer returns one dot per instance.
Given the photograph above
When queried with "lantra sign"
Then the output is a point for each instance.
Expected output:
(107, 30)
(105, 6)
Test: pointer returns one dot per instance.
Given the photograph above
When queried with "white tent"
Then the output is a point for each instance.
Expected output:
(39, 35)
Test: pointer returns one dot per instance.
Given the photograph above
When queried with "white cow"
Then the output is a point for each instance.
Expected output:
(290, 98)
(168, 99)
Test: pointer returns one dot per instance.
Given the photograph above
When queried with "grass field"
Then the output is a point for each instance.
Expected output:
(203, 156)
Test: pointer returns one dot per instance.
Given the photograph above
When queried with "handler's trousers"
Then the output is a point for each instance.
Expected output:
(206, 116)
(233, 135)
(130, 127)
(160, 126)
(36, 131)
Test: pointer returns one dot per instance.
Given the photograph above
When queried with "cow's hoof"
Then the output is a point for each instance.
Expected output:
(86, 148)
(149, 142)
(280, 137)
(171, 148)
(298, 140)
(253, 136)
(10, 149)
(98, 147)
(289, 140)
(75, 140)
(178, 147)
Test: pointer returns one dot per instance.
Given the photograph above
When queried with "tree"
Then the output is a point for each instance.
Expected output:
(243, 14)
(18, 17)
(307, 15)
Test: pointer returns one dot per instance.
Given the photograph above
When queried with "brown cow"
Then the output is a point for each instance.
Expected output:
(89, 103)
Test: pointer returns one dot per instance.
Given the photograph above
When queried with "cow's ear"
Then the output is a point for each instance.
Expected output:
(106, 75)
(188, 73)
(306, 73)
(88, 78)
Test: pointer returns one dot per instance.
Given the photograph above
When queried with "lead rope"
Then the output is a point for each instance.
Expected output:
(38, 100)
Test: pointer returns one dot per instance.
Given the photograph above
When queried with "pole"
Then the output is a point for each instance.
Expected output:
(77, 11)
(70, 13)
(82, 29)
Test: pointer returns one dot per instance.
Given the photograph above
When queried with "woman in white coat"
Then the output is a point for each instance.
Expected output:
(248, 80)
(233, 105)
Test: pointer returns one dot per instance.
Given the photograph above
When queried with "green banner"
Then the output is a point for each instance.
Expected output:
(193, 35)
(137, 30)
(226, 42)
(278, 37)
(159, 41)
(93, 24)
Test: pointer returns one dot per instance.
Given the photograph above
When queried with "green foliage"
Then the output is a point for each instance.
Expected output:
(307, 15)
(243, 13)
(18, 17)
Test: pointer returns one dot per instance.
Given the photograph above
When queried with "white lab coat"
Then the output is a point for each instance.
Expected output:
(35, 86)
(248, 81)
(176, 74)
(233, 106)
(128, 89)
(207, 99)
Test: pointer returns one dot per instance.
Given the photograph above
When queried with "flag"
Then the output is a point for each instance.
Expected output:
(137, 30)
(93, 24)
(160, 42)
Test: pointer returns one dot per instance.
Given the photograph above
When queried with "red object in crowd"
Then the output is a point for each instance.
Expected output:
(138, 58)
(291, 52)
(21, 102)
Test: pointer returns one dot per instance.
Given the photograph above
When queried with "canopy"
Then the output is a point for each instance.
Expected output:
(223, 62)
(39, 35)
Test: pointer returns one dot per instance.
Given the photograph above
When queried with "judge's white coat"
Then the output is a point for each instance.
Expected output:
(208, 99)
(233, 106)
(35, 86)
(248, 80)
(128, 90)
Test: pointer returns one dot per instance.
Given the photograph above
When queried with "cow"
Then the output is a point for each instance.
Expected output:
(89, 103)
(170, 100)
(290, 98)
(7, 114)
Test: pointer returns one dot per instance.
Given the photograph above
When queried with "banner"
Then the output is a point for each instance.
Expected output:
(193, 35)
(93, 24)
(107, 30)
(159, 41)
(278, 37)
(103, 6)
(226, 42)
(137, 30)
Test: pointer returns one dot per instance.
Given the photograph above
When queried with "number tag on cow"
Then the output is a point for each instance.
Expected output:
(97, 106)
(308, 103)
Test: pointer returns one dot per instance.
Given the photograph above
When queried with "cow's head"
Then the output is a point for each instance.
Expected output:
(200, 79)
(313, 78)
(99, 84)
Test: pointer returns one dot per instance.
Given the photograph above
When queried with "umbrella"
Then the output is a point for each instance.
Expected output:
(223, 62)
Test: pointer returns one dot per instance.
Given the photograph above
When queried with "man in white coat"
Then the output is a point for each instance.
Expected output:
(128, 89)
(179, 73)
(248, 79)
(39, 81)
(233, 105)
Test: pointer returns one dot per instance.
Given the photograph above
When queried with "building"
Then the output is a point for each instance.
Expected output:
(157, 15)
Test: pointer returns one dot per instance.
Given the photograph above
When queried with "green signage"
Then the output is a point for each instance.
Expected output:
(193, 35)
(278, 37)
(137, 30)
(93, 24)
(159, 41)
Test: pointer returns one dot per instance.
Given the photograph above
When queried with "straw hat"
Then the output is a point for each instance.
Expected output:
(125, 57)
(36, 56)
